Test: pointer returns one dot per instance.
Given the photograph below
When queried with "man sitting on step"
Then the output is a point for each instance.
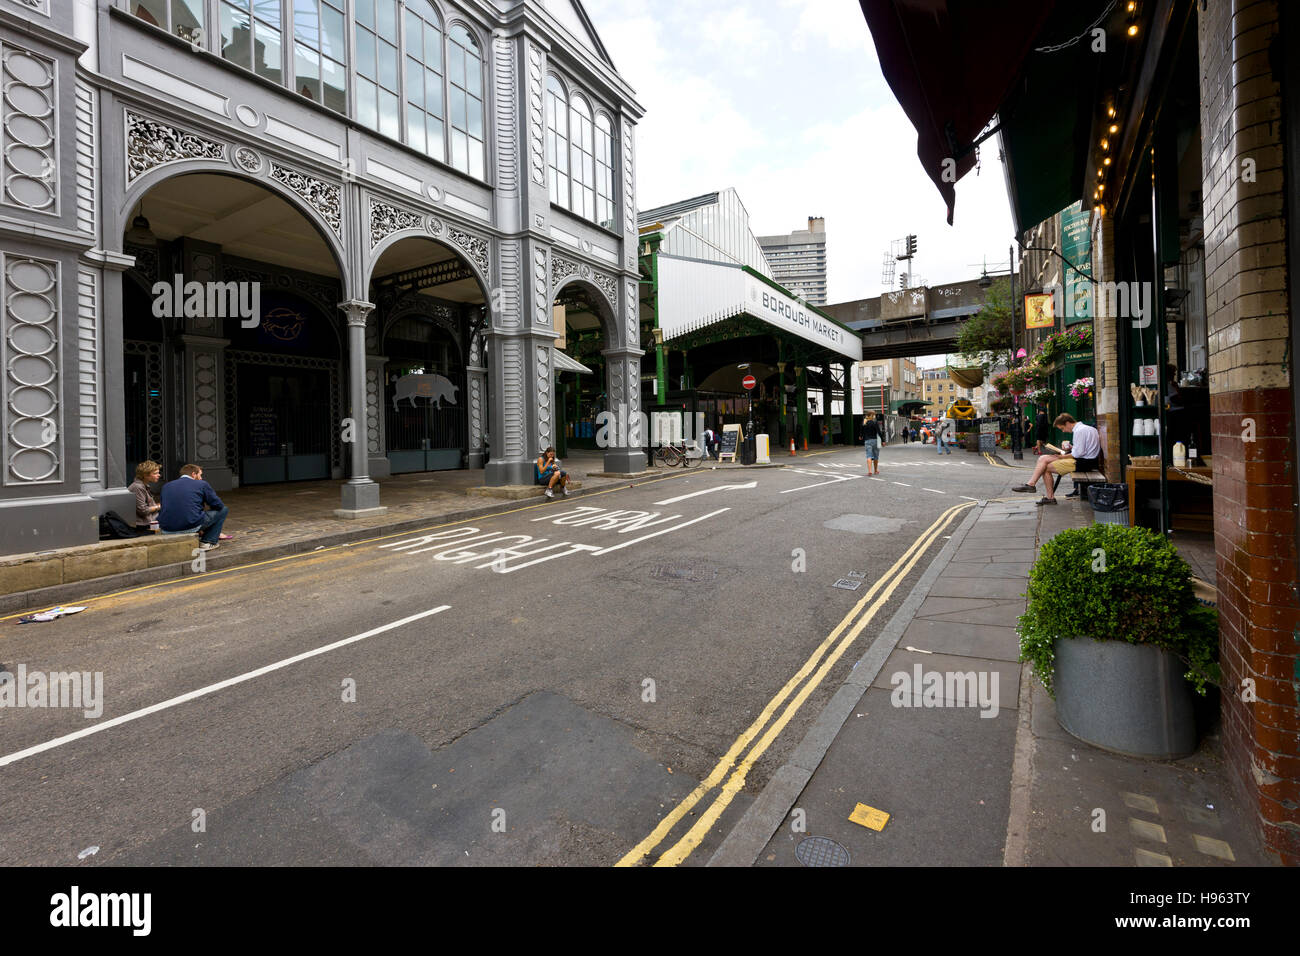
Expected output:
(1083, 455)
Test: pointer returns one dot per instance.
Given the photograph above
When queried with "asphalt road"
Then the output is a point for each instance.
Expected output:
(547, 685)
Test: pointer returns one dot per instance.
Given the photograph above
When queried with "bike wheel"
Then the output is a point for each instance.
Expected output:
(671, 456)
(687, 460)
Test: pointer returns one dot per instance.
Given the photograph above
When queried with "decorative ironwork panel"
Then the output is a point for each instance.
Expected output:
(325, 198)
(29, 352)
(150, 143)
(29, 118)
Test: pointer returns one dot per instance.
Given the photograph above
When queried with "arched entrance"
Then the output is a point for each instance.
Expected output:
(580, 371)
(232, 346)
(426, 363)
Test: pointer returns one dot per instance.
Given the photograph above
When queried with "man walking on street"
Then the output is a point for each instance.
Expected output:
(942, 433)
(872, 439)
(183, 502)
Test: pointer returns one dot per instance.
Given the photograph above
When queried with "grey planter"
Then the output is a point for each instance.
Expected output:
(1131, 699)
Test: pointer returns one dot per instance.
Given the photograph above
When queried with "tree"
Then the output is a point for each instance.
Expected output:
(985, 338)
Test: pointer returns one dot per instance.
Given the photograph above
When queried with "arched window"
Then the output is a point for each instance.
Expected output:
(320, 52)
(582, 164)
(424, 108)
(604, 171)
(465, 91)
(557, 140)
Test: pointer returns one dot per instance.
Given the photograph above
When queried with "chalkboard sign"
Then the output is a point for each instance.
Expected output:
(730, 440)
(263, 432)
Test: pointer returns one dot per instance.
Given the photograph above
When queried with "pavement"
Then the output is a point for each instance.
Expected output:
(997, 781)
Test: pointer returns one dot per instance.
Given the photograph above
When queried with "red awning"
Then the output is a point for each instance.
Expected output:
(951, 64)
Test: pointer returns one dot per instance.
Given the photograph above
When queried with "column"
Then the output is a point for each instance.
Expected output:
(661, 369)
(204, 363)
(827, 417)
(360, 495)
(376, 428)
(476, 384)
(801, 401)
(625, 454)
(846, 417)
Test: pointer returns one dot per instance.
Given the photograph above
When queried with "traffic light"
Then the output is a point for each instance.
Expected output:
(911, 245)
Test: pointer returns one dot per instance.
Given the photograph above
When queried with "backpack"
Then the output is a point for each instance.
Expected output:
(112, 526)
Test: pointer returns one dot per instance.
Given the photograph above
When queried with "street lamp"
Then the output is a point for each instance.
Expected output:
(984, 281)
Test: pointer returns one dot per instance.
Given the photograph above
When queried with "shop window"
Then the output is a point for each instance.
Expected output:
(424, 103)
(557, 141)
(185, 18)
(465, 93)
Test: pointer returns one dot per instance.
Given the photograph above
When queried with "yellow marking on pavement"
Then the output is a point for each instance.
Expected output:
(736, 783)
(869, 817)
(183, 584)
(993, 461)
(660, 832)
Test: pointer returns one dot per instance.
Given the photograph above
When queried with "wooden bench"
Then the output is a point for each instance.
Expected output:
(1082, 479)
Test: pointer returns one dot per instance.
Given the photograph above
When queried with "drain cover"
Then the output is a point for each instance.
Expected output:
(847, 584)
(695, 575)
(819, 851)
(859, 575)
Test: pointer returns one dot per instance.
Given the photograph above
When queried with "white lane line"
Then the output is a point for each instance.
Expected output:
(706, 491)
(210, 689)
(935, 490)
(876, 479)
(968, 497)
(903, 483)
(837, 478)
(655, 534)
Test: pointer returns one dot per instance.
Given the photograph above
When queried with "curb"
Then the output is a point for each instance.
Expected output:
(765, 815)
(1015, 850)
(98, 587)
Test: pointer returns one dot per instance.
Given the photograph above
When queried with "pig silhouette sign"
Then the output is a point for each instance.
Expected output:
(436, 388)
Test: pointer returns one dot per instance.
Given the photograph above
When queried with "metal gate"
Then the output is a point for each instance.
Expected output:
(426, 419)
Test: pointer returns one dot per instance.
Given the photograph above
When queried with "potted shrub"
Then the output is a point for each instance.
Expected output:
(1115, 633)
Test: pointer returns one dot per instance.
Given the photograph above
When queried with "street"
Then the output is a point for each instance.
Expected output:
(547, 685)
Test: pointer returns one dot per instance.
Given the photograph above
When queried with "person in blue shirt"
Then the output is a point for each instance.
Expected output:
(183, 504)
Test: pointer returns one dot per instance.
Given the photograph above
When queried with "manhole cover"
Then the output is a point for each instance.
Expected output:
(847, 584)
(695, 575)
(819, 851)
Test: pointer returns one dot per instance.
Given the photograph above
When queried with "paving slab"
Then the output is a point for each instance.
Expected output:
(979, 587)
(976, 640)
(993, 687)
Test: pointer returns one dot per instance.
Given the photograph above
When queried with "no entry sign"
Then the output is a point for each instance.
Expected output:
(749, 381)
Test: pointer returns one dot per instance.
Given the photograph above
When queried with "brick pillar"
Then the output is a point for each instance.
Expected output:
(1248, 306)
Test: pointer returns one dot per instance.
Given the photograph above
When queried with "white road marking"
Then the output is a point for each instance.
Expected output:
(968, 497)
(706, 491)
(655, 534)
(820, 483)
(904, 484)
(211, 688)
(877, 479)
(935, 490)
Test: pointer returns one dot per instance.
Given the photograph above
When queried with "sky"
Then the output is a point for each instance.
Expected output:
(785, 101)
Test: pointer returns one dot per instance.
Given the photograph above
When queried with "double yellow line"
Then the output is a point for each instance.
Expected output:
(853, 623)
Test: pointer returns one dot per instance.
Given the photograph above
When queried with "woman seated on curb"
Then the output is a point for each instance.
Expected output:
(146, 508)
(546, 471)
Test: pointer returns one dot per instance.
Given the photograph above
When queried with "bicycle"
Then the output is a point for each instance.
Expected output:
(678, 454)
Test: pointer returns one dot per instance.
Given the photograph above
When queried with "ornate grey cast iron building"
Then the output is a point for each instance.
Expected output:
(408, 185)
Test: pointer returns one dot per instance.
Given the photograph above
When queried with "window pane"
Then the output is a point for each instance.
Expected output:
(475, 126)
(476, 158)
(268, 52)
(367, 114)
(188, 21)
(436, 146)
(414, 83)
(235, 38)
(306, 65)
(432, 48)
(474, 75)
(415, 127)
(306, 24)
(386, 15)
(331, 22)
(414, 31)
(151, 11)
(433, 93)
(387, 66)
(459, 150)
(457, 108)
(365, 12)
(365, 53)
(268, 11)
(456, 65)
(389, 117)
(334, 81)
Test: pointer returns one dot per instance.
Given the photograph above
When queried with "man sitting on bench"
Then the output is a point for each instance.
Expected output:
(1083, 455)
